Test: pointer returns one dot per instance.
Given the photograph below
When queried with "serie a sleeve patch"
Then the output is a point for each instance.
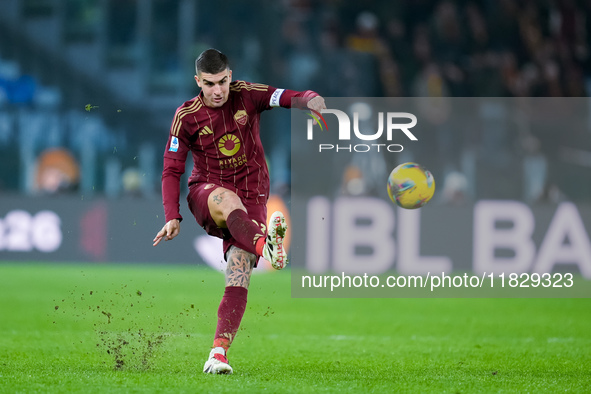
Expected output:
(174, 144)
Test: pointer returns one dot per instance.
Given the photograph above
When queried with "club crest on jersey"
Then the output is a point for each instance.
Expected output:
(174, 145)
(229, 145)
(241, 117)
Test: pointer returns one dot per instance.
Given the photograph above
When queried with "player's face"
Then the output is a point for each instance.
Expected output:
(215, 87)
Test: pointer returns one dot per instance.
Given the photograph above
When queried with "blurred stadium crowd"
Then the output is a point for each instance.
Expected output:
(140, 53)
(429, 47)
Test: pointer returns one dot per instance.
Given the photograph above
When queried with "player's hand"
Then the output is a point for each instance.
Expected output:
(170, 230)
(317, 103)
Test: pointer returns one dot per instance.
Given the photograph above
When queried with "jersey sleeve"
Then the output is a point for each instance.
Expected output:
(293, 99)
(175, 156)
(267, 97)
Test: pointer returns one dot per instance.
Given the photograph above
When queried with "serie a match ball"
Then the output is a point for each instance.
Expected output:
(410, 186)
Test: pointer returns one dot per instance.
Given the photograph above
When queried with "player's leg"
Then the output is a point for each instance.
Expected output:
(273, 250)
(231, 309)
(246, 227)
(216, 208)
(228, 211)
(238, 272)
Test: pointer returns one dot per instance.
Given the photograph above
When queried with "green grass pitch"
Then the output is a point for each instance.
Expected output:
(136, 328)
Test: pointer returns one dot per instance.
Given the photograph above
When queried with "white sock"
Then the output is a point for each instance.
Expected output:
(219, 349)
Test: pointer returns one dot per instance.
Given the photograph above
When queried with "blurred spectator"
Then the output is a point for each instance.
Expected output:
(366, 37)
(82, 19)
(121, 15)
(455, 188)
(302, 60)
(132, 182)
(432, 48)
(15, 87)
(57, 172)
(353, 183)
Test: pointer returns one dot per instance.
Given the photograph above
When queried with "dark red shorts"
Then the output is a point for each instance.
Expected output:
(197, 199)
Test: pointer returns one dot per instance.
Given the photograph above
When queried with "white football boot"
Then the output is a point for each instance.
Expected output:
(273, 251)
(217, 362)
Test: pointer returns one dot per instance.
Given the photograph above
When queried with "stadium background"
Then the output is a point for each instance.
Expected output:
(88, 89)
(87, 93)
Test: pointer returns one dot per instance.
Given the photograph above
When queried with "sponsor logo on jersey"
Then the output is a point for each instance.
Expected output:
(174, 145)
(229, 145)
(233, 162)
(241, 117)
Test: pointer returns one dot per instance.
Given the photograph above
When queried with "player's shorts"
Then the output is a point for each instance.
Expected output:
(197, 199)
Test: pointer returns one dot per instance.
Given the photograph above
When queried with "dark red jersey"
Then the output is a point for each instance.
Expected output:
(225, 143)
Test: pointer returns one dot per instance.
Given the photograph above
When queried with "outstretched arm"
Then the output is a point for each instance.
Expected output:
(171, 190)
(174, 167)
(302, 100)
(294, 99)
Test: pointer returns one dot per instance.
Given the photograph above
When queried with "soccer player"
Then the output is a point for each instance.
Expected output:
(229, 184)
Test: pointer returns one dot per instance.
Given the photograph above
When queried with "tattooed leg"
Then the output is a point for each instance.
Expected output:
(233, 304)
(239, 267)
(218, 198)
(221, 202)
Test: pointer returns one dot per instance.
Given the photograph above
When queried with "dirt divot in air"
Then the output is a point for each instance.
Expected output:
(118, 317)
(131, 349)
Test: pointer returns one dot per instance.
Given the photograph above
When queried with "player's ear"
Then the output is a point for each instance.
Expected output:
(230, 75)
(198, 80)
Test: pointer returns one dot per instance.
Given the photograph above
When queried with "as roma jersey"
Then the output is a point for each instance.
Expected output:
(225, 143)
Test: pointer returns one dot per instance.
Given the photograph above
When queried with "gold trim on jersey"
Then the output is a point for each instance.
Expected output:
(239, 85)
(206, 131)
(176, 124)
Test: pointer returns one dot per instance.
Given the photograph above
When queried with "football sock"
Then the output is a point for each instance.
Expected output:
(230, 314)
(245, 231)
